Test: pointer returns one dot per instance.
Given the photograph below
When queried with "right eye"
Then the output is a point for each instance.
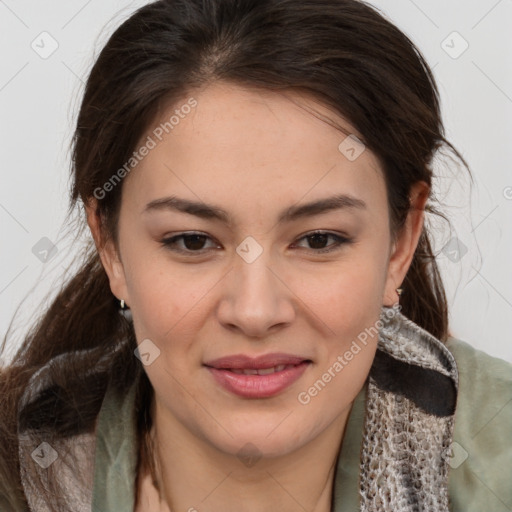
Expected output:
(192, 243)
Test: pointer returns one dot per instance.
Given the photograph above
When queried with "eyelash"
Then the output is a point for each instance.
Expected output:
(169, 242)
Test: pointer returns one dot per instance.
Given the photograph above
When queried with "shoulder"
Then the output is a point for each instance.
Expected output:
(485, 387)
(481, 454)
(470, 356)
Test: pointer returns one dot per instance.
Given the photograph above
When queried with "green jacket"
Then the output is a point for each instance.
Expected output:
(480, 477)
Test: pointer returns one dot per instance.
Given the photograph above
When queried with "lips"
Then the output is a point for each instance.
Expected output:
(242, 362)
(259, 377)
(261, 371)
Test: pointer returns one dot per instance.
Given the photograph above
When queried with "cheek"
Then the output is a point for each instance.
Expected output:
(164, 296)
(346, 355)
(349, 303)
(349, 296)
(337, 383)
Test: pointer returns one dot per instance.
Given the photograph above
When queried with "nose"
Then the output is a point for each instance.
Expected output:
(256, 299)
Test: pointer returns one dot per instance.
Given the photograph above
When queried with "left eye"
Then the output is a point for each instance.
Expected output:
(321, 237)
(194, 242)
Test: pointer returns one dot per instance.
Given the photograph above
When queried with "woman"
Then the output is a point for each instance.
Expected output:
(260, 323)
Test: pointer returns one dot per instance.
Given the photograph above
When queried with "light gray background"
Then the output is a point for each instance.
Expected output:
(39, 98)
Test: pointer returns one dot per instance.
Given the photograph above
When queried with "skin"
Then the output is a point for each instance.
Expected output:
(254, 154)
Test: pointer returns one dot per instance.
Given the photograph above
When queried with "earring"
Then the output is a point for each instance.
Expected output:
(124, 310)
(399, 291)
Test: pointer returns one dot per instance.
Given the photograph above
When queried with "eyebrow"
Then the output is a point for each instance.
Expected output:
(212, 212)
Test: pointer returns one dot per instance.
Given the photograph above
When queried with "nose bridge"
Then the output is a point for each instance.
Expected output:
(253, 277)
(255, 299)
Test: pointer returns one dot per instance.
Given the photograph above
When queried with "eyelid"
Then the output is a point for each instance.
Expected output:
(341, 240)
(167, 242)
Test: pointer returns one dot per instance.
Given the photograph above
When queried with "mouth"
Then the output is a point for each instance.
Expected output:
(260, 371)
(261, 377)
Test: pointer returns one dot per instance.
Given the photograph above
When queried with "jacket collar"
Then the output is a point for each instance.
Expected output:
(409, 420)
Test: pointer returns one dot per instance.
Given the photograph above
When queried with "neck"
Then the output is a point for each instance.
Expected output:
(194, 476)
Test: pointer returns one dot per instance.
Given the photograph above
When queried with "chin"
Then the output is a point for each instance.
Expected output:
(261, 440)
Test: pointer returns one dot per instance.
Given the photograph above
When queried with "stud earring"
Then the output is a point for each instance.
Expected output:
(121, 303)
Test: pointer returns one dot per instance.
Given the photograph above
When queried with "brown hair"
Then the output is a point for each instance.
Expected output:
(344, 53)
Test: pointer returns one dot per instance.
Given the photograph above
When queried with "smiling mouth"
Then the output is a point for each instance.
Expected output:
(260, 371)
(258, 383)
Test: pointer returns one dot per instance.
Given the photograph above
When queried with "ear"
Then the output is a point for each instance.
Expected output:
(404, 247)
(110, 258)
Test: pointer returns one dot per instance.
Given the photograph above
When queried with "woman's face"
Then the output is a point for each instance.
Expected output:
(256, 281)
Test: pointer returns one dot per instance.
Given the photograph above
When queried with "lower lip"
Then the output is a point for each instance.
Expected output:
(258, 386)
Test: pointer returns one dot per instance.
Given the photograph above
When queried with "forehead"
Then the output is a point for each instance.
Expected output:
(240, 146)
